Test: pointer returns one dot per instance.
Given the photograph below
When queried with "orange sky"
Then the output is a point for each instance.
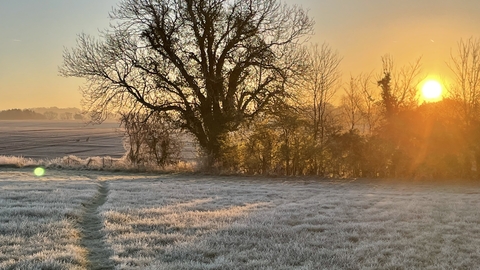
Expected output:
(33, 34)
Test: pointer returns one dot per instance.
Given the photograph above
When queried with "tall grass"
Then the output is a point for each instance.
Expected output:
(72, 162)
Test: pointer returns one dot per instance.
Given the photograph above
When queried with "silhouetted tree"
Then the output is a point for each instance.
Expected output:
(361, 105)
(321, 83)
(389, 100)
(390, 103)
(260, 150)
(369, 105)
(209, 64)
(399, 86)
(351, 104)
(465, 90)
(149, 139)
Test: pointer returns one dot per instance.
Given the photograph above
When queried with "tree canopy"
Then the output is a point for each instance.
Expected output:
(207, 65)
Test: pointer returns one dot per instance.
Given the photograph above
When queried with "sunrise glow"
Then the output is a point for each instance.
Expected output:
(432, 90)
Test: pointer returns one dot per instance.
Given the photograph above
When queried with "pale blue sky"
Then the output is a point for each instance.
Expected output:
(33, 34)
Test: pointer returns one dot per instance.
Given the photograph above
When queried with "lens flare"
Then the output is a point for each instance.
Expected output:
(39, 171)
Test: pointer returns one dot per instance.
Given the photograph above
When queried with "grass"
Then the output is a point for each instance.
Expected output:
(38, 220)
(94, 163)
(200, 222)
(231, 223)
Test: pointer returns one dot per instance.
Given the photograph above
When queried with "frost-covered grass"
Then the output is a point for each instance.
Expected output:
(38, 218)
(200, 222)
(241, 223)
(106, 163)
(68, 162)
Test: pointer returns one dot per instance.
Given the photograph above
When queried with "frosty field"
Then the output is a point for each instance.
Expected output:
(84, 219)
(50, 140)
(54, 139)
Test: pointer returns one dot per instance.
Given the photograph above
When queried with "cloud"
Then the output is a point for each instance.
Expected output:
(16, 40)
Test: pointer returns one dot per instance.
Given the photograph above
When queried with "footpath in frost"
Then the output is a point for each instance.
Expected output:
(91, 226)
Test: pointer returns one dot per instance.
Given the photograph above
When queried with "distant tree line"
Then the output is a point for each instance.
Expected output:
(51, 115)
(18, 114)
(241, 78)
(30, 114)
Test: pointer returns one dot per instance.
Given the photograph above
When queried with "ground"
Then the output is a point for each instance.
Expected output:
(56, 139)
(147, 221)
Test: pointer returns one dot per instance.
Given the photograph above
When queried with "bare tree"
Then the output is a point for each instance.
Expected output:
(360, 104)
(322, 82)
(465, 66)
(465, 91)
(399, 86)
(351, 103)
(405, 83)
(369, 104)
(209, 65)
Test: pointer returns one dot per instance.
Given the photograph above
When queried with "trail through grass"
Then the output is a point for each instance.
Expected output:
(91, 226)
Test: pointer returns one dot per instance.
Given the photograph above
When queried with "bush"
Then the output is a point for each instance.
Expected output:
(149, 140)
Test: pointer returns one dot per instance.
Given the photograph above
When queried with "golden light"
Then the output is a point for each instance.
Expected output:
(432, 90)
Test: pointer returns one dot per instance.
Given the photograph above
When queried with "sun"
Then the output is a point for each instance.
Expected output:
(432, 90)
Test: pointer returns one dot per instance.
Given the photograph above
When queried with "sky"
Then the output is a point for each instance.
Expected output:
(33, 35)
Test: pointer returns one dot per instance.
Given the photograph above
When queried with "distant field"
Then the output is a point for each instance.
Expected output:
(83, 220)
(52, 139)
(56, 139)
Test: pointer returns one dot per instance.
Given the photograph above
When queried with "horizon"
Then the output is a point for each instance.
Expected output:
(42, 108)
